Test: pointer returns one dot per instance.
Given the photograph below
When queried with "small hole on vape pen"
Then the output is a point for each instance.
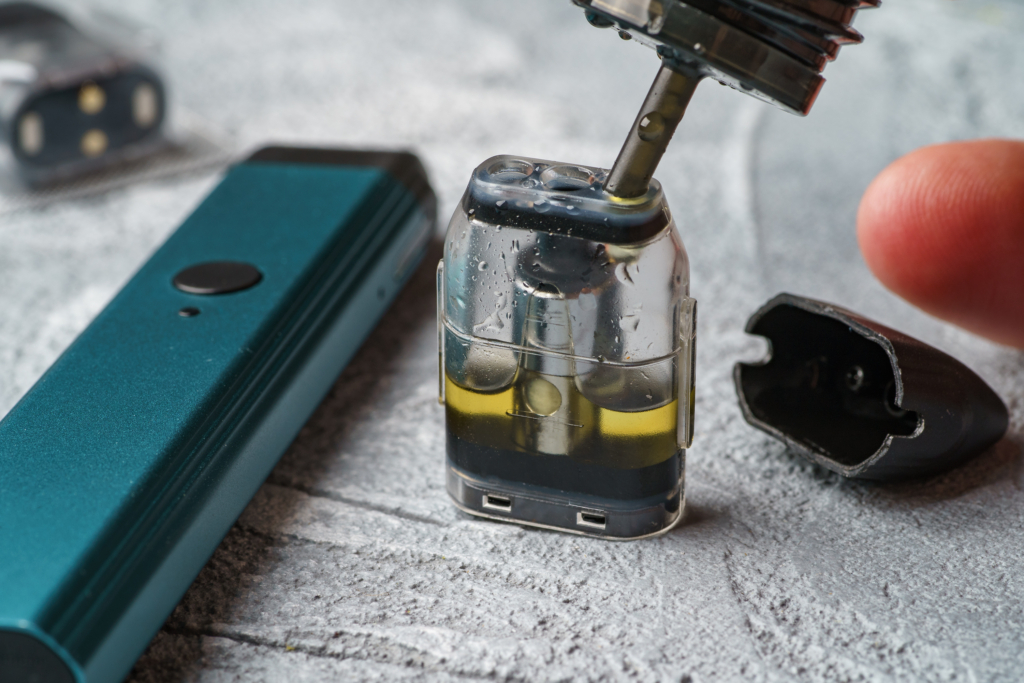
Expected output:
(497, 502)
(189, 312)
(591, 519)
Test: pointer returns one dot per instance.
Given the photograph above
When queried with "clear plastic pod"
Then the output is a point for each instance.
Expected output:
(566, 340)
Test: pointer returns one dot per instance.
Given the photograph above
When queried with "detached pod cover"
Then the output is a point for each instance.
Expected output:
(860, 398)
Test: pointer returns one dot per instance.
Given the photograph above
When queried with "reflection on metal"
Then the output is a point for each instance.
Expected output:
(651, 132)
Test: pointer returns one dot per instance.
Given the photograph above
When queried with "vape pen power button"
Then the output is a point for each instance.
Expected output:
(217, 277)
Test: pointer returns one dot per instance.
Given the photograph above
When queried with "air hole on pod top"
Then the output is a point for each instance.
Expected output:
(567, 178)
(508, 170)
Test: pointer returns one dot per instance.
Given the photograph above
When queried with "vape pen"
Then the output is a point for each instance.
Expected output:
(125, 465)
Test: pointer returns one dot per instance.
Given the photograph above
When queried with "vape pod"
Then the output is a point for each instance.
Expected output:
(73, 101)
(566, 339)
(567, 333)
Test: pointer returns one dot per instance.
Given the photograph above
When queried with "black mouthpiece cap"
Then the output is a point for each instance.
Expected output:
(862, 399)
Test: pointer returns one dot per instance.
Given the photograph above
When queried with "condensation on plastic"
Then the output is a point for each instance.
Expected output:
(519, 292)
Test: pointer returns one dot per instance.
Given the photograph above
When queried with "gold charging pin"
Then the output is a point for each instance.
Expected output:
(30, 133)
(94, 143)
(91, 98)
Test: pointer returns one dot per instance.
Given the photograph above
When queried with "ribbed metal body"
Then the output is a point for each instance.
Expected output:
(772, 49)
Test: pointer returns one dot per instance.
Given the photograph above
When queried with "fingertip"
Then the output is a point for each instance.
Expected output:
(943, 227)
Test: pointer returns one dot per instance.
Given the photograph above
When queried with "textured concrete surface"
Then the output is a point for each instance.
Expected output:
(351, 564)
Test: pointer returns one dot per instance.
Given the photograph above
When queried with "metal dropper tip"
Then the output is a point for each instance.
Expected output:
(652, 130)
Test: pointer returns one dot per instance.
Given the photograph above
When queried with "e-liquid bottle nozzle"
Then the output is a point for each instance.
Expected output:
(774, 50)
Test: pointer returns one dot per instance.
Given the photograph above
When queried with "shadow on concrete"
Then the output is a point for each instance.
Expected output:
(700, 515)
(357, 392)
(1003, 461)
(1000, 462)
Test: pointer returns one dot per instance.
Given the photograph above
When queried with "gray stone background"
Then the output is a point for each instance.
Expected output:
(350, 563)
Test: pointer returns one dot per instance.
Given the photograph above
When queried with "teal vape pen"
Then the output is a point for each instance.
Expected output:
(125, 465)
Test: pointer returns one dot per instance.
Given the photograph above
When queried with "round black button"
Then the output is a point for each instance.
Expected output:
(217, 277)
